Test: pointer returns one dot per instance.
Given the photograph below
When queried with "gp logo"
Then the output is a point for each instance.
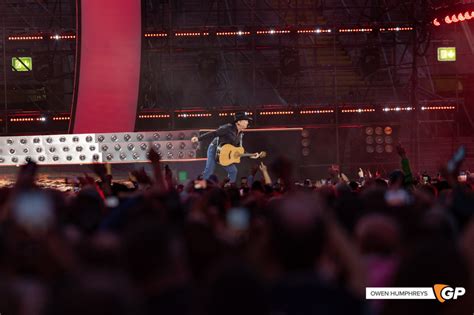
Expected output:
(444, 292)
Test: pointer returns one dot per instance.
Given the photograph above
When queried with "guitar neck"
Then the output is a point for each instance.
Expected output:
(246, 154)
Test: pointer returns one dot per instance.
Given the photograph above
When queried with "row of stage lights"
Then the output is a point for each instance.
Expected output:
(262, 113)
(306, 112)
(238, 33)
(454, 18)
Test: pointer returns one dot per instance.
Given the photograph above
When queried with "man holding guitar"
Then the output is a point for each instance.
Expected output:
(229, 137)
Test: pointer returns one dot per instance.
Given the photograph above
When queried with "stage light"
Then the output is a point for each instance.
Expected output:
(82, 157)
(12, 151)
(69, 158)
(143, 146)
(75, 139)
(79, 149)
(305, 152)
(123, 156)
(36, 140)
(358, 110)
(55, 158)
(9, 141)
(127, 137)
(169, 146)
(169, 136)
(92, 148)
(117, 147)
(109, 157)
(319, 111)
(52, 149)
(95, 157)
(114, 138)
(101, 138)
(436, 23)
(105, 148)
(180, 154)
(62, 139)
(156, 136)
(379, 139)
(41, 158)
(157, 146)
(14, 159)
(23, 141)
(130, 147)
(388, 130)
(25, 150)
(446, 54)
(388, 139)
(182, 145)
(39, 150)
(49, 140)
(140, 137)
(369, 140)
(65, 149)
(170, 155)
(379, 149)
(136, 156)
(191, 154)
(369, 131)
(88, 139)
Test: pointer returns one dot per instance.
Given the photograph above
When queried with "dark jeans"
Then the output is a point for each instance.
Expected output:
(211, 165)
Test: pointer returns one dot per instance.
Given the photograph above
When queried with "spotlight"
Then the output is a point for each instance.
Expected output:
(130, 147)
(79, 149)
(117, 147)
(144, 146)
(369, 140)
(62, 139)
(88, 139)
(75, 139)
(92, 148)
(82, 157)
(65, 149)
(169, 146)
(369, 131)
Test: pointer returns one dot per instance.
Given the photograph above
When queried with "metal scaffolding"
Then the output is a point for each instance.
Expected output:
(46, 85)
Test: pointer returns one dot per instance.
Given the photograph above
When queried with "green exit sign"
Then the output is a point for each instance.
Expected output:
(22, 64)
(446, 53)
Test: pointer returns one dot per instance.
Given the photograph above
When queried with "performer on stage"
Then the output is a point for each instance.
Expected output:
(231, 133)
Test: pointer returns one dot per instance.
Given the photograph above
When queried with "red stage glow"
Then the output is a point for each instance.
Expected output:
(109, 74)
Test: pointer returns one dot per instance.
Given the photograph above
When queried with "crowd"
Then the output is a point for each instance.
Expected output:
(265, 246)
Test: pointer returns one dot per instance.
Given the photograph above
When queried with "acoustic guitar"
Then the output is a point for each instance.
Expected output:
(229, 154)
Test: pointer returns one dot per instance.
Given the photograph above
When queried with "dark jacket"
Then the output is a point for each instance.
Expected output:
(225, 134)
